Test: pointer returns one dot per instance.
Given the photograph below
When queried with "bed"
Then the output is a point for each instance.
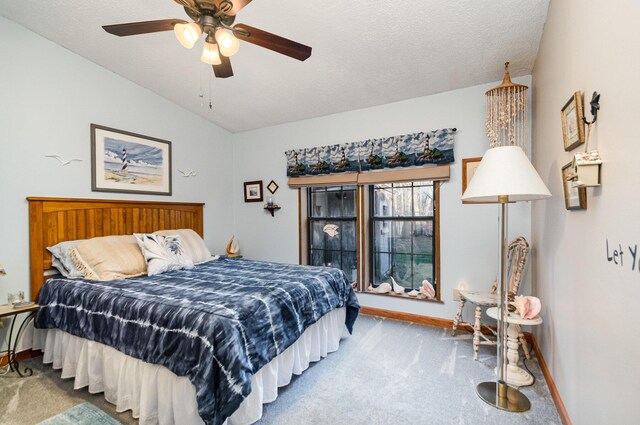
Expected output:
(210, 344)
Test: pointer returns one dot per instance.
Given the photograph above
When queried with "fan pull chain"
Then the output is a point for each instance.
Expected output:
(200, 94)
(210, 104)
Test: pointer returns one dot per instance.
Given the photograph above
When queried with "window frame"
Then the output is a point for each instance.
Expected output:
(363, 248)
(351, 219)
(373, 219)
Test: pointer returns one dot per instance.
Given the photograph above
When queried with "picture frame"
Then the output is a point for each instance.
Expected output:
(469, 166)
(253, 191)
(575, 198)
(572, 113)
(126, 162)
(272, 186)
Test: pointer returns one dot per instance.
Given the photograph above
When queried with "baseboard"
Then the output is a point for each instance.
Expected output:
(448, 324)
(417, 318)
(22, 355)
(555, 394)
(408, 317)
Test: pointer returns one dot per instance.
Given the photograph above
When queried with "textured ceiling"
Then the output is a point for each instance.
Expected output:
(365, 53)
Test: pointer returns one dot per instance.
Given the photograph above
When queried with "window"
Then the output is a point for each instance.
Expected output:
(402, 229)
(375, 232)
(332, 228)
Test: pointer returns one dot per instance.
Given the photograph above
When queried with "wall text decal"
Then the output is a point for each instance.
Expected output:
(616, 255)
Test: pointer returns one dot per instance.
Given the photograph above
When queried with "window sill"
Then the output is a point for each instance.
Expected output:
(405, 296)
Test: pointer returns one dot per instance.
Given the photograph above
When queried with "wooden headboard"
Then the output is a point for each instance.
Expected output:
(54, 220)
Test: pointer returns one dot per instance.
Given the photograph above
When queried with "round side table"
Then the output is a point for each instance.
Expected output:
(515, 375)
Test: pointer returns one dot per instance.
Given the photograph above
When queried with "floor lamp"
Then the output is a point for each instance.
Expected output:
(504, 176)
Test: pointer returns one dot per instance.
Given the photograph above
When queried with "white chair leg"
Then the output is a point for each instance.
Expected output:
(458, 317)
(476, 333)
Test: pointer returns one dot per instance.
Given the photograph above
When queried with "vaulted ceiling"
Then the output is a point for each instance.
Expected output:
(365, 53)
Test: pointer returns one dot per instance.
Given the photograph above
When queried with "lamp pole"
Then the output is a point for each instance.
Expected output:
(499, 394)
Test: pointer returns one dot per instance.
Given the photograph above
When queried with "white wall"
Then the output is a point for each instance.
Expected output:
(589, 338)
(49, 97)
(468, 232)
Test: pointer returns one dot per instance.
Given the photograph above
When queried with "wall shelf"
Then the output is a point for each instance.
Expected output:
(272, 209)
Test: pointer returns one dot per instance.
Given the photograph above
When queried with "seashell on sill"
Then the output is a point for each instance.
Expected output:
(383, 288)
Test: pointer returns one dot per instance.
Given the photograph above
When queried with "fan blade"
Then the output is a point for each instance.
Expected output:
(135, 28)
(273, 42)
(224, 69)
(237, 5)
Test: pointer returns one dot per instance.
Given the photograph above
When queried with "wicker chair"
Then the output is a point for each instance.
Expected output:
(516, 259)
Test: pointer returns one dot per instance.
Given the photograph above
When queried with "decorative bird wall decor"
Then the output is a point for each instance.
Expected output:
(188, 173)
(62, 161)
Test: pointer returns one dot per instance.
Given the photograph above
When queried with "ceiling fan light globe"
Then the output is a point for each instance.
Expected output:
(187, 34)
(227, 42)
(210, 54)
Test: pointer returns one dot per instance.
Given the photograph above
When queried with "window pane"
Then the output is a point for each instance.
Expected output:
(334, 202)
(381, 236)
(401, 236)
(402, 202)
(402, 270)
(333, 259)
(318, 204)
(332, 233)
(349, 265)
(317, 257)
(382, 268)
(317, 235)
(423, 201)
(422, 269)
(382, 195)
(348, 235)
(349, 203)
(423, 237)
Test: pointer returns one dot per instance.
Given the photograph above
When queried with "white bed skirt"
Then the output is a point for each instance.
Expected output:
(155, 395)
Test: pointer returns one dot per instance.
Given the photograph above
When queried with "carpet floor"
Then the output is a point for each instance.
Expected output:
(387, 372)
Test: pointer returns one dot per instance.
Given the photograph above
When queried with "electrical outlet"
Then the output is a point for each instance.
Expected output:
(456, 294)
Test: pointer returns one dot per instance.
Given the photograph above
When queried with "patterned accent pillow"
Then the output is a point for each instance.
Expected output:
(192, 243)
(163, 253)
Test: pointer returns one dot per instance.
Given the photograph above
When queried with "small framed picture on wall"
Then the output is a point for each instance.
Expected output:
(572, 122)
(574, 198)
(469, 166)
(253, 191)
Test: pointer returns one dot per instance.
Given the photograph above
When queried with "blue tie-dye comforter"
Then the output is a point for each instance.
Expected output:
(217, 324)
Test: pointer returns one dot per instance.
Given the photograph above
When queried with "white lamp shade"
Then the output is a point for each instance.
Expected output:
(210, 54)
(187, 34)
(505, 171)
(227, 42)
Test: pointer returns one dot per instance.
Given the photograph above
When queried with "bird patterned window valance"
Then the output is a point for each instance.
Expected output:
(432, 147)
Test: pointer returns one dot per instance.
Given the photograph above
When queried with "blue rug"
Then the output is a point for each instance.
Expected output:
(82, 414)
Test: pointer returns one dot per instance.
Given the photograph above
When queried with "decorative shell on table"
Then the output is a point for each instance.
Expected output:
(427, 289)
(233, 247)
(383, 288)
(527, 307)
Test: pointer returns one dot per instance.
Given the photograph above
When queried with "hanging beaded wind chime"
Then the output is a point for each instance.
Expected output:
(507, 114)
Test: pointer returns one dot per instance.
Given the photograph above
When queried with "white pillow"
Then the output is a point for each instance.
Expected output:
(163, 253)
(192, 243)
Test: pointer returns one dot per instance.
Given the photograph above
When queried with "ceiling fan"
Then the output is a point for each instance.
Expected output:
(214, 19)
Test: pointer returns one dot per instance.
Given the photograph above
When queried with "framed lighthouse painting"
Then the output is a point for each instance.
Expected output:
(126, 162)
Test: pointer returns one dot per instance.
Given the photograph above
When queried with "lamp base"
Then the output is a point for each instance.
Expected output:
(503, 397)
